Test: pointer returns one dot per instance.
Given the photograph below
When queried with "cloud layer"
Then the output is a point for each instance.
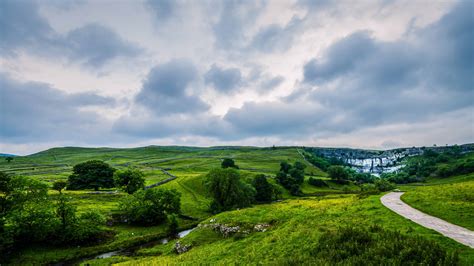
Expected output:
(235, 72)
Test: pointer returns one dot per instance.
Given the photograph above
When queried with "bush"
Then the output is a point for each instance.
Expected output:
(227, 190)
(317, 182)
(93, 174)
(151, 206)
(129, 180)
(376, 246)
(383, 185)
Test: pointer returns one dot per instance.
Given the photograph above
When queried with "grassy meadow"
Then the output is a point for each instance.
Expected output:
(295, 224)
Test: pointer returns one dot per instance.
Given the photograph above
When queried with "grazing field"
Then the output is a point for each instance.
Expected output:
(453, 202)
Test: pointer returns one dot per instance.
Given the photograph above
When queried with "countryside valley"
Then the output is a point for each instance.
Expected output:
(160, 205)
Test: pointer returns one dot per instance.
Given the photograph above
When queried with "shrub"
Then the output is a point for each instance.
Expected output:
(93, 174)
(376, 246)
(317, 182)
(129, 180)
(151, 206)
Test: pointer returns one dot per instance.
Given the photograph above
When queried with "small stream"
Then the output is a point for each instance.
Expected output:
(130, 251)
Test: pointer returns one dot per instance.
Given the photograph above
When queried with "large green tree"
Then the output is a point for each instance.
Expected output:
(93, 174)
(228, 190)
(130, 180)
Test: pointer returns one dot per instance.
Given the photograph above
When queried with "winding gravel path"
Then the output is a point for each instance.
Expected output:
(460, 234)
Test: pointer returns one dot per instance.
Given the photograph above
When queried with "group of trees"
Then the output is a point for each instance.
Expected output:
(291, 176)
(29, 215)
(432, 164)
(230, 191)
(97, 174)
(143, 207)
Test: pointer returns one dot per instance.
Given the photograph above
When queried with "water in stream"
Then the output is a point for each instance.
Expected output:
(131, 250)
(125, 252)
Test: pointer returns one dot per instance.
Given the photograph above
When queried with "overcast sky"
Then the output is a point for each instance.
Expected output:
(369, 74)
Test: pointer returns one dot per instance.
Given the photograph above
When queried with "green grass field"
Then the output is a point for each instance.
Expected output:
(295, 228)
(453, 202)
(297, 223)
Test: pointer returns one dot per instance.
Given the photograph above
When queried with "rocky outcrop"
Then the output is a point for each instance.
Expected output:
(180, 248)
(377, 161)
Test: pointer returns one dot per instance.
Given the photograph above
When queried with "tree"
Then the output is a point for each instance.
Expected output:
(9, 159)
(285, 167)
(297, 174)
(66, 212)
(264, 190)
(130, 180)
(151, 206)
(338, 173)
(59, 185)
(227, 190)
(228, 163)
(172, 225)
(93, 174)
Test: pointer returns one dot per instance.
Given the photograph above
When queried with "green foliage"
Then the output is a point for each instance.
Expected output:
(151, 206)
(59, 185)
(129, 180)
(31, 217)
(377, 246)
(66, 212)
(8, 159)
(4, 180)
(92, 174)
(265, 191)
(229, 163)
(338, 173)
(285, 167)
(317, 182)
(19, 190)
(291, 176)
(383, 185)
(227, 190)
(172, 225)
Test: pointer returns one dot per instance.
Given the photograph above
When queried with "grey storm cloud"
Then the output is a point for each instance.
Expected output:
(36, 111)
(223, 79)
(22, 28)
(165, 89)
